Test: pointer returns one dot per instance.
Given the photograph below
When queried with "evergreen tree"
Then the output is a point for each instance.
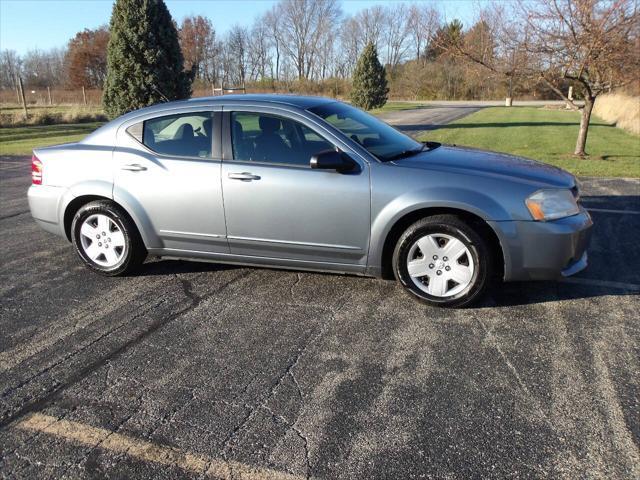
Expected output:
(445, 38)
(370, 88)
(144, 60)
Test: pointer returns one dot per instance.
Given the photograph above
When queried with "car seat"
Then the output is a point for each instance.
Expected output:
(242, 147)
(269, 145)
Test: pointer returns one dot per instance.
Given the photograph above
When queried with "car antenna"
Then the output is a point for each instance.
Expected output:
(160, 93)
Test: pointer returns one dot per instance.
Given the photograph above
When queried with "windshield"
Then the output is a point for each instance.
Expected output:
(380, 139)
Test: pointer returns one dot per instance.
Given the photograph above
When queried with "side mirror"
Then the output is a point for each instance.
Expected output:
(332, 160)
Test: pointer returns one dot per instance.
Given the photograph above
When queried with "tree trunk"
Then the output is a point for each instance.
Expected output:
(584, 126)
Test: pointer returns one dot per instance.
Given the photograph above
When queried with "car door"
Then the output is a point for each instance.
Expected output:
(276, 206)
(167, 170)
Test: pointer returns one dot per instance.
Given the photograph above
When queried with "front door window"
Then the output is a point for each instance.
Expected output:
(257, 137)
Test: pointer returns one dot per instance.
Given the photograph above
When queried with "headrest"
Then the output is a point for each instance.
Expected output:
(185, 131)
(206, 125)
(269, 124)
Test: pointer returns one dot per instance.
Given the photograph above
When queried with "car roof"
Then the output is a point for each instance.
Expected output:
(297, 101)
(300, 101)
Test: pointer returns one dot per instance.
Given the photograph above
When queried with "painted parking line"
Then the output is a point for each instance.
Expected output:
(87, 435)
(608, 210)
(602, 283)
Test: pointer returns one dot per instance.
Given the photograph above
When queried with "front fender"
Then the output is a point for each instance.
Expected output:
(462, 199)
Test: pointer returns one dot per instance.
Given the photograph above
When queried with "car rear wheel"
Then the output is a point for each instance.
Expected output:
(106, 239)
(443, 261)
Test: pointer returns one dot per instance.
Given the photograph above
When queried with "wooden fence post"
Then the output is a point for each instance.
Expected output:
(84, 96)
(49, 95)
(24, 102)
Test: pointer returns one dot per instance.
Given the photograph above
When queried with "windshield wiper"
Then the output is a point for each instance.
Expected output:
(405, 154)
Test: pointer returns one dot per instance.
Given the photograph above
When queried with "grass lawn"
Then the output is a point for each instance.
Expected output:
(21, 140)
(549, 136)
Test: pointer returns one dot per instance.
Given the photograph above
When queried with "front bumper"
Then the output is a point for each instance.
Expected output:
(45, 202)
(544, 250)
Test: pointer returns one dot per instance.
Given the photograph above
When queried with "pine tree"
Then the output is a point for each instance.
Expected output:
(144, 61)
(370, 88)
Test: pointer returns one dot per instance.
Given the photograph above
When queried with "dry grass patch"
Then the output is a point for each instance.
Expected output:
(621, 109)
(13, 116)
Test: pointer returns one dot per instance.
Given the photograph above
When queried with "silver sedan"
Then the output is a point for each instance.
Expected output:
(307, 183)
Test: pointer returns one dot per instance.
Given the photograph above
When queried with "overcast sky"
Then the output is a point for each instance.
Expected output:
(43, 24)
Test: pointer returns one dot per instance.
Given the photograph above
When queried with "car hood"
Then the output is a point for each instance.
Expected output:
(475, 161)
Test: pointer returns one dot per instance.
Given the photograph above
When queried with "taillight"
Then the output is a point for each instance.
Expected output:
(36, 170)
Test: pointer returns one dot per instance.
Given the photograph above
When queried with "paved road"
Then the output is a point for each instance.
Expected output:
(192, 368)
(420, 120)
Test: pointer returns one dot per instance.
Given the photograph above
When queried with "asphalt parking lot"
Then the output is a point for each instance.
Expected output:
(193, 370)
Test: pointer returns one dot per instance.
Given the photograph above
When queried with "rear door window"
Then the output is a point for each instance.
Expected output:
(181, 135)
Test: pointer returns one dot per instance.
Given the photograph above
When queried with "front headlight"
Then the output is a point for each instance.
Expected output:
(552, 204)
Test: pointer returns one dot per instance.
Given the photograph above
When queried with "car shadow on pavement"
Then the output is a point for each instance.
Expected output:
(172, 267)
(613, 262)
(613, 202)
(614, 259)
(528, 293)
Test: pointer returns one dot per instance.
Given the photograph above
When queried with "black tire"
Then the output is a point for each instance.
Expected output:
(452, 226)
(134, 250)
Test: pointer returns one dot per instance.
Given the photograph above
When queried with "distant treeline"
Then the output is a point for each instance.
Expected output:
(297, 46)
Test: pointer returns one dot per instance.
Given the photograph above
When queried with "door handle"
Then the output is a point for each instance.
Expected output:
(134, 167)
(245, 176)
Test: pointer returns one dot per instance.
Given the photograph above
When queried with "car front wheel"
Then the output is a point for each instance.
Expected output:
(106, 239)
(443, 261)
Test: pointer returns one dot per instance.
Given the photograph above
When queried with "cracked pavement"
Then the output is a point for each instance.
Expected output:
(194, 370)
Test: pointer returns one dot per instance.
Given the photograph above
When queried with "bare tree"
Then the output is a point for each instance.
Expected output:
(588, 42)
(258, 50)
(304, 24)
(274, 36)
(421, 25)
(371, 25)
(10, 65)
(396, 32)
(350, 46)
(44, 68)
(237, 54)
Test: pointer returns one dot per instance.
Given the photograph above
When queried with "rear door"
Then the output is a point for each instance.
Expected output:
(277, 206)
(167, 170)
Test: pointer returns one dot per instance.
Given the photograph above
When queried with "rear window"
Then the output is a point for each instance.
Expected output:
(180, 135)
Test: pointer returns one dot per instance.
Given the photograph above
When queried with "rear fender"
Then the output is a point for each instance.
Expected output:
(139, 216)
(97, 188)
